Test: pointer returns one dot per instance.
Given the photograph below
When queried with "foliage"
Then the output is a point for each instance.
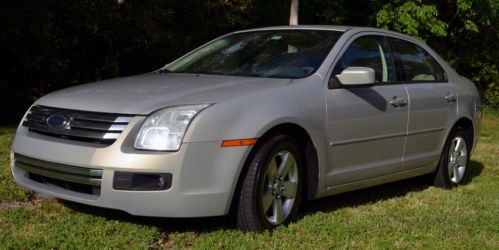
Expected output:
(412, 18)
(488, 73)
(464, 32)
(492, 95)
(52, 44)
(406, 214)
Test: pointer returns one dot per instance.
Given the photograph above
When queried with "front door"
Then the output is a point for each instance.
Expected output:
(366, 126)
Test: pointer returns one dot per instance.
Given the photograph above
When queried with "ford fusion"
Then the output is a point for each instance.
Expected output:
(252, 124)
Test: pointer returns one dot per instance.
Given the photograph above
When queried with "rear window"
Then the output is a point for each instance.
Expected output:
(417, 64)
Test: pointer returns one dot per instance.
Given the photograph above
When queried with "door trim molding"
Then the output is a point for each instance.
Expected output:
(424, 131)
(371, 138)
(381, 137)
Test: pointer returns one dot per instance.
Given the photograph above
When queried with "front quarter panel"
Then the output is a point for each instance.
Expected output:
(300, 102)
(250, 116)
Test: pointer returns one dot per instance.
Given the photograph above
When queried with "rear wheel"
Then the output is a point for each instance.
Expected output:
(271, 190)
(454, 162)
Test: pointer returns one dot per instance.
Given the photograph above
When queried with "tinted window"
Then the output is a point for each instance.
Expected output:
(417, 64)
(275, 53)
(372, 52)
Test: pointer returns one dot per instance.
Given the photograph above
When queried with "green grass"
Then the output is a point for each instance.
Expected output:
(8, 189)
(405, 214)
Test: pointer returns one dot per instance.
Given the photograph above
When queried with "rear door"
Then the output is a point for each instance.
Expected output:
(432, 104)
(366, 134)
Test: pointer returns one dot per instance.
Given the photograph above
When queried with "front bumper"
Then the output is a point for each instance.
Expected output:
(203, 184)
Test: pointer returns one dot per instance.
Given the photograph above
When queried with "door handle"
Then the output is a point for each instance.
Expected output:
(398, 102)
(451, 97)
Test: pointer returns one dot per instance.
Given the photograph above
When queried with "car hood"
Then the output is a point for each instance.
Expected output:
(143, 94)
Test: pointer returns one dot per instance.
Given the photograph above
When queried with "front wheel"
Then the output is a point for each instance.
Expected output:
(454, 161)
(271, 189)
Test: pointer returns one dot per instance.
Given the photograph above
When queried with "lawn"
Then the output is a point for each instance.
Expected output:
(405, 214)
(8, 189)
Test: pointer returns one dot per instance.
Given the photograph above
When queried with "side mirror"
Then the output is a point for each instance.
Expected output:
(353, 76)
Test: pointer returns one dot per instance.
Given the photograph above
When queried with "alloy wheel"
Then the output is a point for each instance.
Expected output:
(457, 159)
(280, 187)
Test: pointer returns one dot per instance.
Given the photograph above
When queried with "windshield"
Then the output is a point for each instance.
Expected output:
(275, 53)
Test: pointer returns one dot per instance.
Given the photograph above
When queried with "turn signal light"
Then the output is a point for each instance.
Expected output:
(238, 142)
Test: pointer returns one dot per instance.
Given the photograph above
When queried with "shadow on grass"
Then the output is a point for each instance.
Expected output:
(327, 204)
(379, 193)
(475, 170)
(164, 224)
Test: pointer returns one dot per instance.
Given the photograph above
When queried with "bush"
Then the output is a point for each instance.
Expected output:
(491, 97)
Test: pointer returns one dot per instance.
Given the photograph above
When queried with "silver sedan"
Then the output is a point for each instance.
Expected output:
(253, 123)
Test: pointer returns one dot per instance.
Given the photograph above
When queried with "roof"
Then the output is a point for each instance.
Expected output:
(332, 28)
(304, 27)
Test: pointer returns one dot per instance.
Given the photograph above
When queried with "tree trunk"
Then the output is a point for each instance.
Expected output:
(293, 15)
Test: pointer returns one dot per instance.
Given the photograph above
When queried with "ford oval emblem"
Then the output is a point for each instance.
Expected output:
(57, 121)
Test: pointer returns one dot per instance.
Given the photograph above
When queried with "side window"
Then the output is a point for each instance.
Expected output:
(372, 52)
(417, 64)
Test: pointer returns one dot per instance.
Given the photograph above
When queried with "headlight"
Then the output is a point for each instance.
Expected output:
(164, 129)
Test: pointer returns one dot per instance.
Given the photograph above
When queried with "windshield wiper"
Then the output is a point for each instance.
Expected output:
(164, 71)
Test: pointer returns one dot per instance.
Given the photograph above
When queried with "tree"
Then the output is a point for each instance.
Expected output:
(412, 18)
(464, 32)
(293, 15)
(52, 44)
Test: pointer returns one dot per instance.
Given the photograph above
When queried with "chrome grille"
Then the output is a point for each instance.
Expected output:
(78, 179)
(79, 125)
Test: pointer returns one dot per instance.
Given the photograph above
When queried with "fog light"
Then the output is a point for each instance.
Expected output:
(161, 181)
(142, 181)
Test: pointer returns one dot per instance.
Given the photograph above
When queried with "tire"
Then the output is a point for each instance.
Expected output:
(454, 162)
(267, 183)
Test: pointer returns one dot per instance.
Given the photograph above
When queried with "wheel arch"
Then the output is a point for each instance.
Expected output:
(309, 153)
(466, 124)
(305, 145)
